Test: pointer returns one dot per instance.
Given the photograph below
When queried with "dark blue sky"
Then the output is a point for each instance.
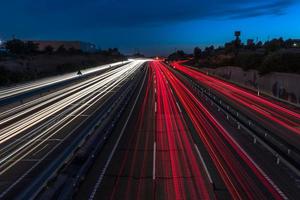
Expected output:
(152, 26)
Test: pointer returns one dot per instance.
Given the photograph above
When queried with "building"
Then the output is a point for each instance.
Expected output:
(77, 45)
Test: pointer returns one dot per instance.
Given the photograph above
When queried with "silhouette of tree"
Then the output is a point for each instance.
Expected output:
(259, 44)
(197, 53)
(31, 47)
(61, 49)
(49, 49)
(274, 45)
(15, 46)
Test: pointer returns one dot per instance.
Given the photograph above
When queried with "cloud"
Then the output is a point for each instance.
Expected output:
(32, 18)
(137, 12)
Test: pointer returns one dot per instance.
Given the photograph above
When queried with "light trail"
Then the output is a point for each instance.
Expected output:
(161, 136)
(173, 137)
(136, 143)
(11, 91)
(44, 118)
(274, 111)
(241, 175)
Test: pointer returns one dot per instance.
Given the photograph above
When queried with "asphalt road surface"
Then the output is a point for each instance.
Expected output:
(177, 137)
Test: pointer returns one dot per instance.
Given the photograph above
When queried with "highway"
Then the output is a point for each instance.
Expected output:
(156, 161)
(32, 132)
(176, 146)
(230, 114)
(147, 130)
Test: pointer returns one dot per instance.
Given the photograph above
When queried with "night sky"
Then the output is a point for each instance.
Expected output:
(151, 26)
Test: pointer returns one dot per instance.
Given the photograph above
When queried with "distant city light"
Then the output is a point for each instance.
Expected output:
(295, 44)
(1, 42)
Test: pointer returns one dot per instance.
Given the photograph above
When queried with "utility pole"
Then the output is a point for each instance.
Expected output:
(237, 41)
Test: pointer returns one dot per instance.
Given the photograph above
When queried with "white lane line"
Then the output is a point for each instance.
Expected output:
(154, 160)
(41, 149)
(100, 178)
(30, 160)
(204, 165)
(250, 159)
(47, 137)
(178, 107)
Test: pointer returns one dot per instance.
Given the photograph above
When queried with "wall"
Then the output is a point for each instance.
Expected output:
(282, 85)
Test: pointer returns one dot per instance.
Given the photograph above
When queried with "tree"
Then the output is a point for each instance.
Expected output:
(15, 46)
(49, 49)
(61, 49)
(259, 44)
(31, 47)
(178, 55)
(208, 51)
(197, 53)
(274, 45)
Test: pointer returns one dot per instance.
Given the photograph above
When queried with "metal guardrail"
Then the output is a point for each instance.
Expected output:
(39, 90)
(282, 151)
(64, 158)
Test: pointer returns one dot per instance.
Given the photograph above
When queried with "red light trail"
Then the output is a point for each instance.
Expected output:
(172, 136)
(236, 168)
(266, 108)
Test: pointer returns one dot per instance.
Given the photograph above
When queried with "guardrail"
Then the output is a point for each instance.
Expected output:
(282, 151)
(21, 96)
(70, 146)
(86, 153)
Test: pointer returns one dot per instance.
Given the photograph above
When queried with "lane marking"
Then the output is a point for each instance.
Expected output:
(100, 178)
(178, 107)
(203, 163)
(52, 149)
(250, 159)
(40, 150)
(154, 160)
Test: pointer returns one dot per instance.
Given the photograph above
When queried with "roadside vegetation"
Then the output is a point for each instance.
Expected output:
(24, 62)
(276, 55)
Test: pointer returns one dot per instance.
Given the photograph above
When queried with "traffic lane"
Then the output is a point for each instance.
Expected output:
(285, 109)
(273, 128)
(25, 164)
(59, 135)
(42, 120)
(129, 175)
(40, 151)
(36, 87)
(224, 149)
(38, 104)
(129, 185)
(89, 183)
(27, 99)
(49, 128)
(177, 159)
(217, 185)
(277, 130)
(283, 177)
(287, 118)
